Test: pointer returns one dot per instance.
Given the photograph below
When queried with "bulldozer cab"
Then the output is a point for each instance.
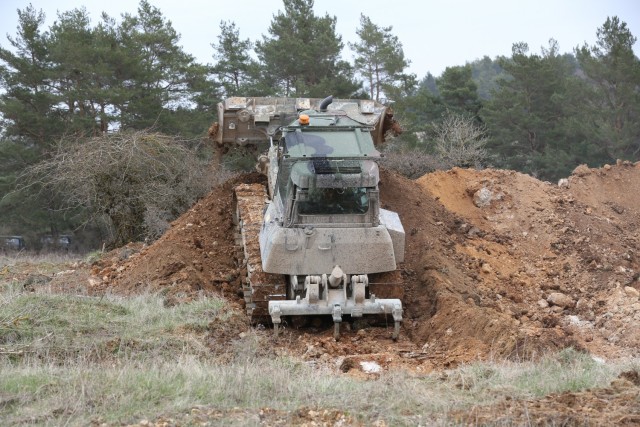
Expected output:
(327, 173)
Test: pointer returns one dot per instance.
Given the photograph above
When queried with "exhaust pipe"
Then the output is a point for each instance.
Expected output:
(325, 103)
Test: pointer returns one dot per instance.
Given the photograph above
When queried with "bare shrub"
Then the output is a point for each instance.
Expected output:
(459, 141)
(156, 222)
(412, 164)
(138, 181)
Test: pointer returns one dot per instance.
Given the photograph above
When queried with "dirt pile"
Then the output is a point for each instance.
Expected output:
(618, 404)
(497, 264)
(553, 265)
(197, 255)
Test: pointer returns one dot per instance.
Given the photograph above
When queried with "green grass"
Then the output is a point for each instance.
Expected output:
(71, 360)
(66, 328)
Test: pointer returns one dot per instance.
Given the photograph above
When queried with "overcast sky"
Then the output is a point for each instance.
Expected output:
(434, 34)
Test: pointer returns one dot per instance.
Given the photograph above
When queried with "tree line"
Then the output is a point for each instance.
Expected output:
(75, 86)
(541, 113)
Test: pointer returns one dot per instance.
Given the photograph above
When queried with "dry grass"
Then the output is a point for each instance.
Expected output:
(131, 390)
(74, 360)
(50, 260)
(63, 329)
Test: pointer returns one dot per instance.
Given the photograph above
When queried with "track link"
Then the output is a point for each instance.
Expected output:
(259, 287)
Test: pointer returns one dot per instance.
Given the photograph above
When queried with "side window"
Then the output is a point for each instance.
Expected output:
(282, 180)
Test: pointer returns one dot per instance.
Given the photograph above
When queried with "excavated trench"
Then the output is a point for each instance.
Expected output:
(497, 264)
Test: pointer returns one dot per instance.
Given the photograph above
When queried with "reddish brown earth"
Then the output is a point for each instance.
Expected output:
(616, 405)
(539, 267)
(497, 265)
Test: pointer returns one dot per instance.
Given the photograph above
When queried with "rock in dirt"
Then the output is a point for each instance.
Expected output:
(482, 197)
(561, 300)
(581, 170)
(525, 242)
(631, 292)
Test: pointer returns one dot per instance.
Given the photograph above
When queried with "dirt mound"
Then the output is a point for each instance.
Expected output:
(497, 264)
(618, 404)
(557, 264)
(195, 256)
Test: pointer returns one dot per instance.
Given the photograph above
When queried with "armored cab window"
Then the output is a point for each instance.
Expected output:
(333, 201)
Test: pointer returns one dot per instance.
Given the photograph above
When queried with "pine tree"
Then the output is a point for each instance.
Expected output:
(458, 91)
(526, 116)
(27, 104)
(612, 108)
(156, 72)
(381, 61)
(302, 54)
(235, 69)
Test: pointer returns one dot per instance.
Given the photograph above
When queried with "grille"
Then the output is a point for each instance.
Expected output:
(325, 167)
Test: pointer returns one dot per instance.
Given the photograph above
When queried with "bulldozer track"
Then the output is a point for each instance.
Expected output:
(258, 287)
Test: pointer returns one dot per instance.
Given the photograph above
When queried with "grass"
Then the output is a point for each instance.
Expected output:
(44, 261)
(126, 392)
(74, 360)
(66, 329)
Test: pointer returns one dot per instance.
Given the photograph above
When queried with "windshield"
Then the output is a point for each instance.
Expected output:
(331, 201)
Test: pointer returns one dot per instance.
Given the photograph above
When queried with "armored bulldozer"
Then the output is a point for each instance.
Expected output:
(315, 242)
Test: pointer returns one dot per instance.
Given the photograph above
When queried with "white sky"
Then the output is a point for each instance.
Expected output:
(434, 34)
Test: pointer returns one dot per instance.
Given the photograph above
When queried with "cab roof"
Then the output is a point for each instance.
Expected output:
(329, 135)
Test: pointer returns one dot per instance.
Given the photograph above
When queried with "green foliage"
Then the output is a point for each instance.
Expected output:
(551, 113)
(301, 56)
(27, 105)
(418, 114)
(485, 73)
(425, 110)
(381, 61)
(527, 113)
(82, 76)
(235, 69)
(429, 83)
(612, 107)
(27, 213)
(75, 79)
(544, 113)
(458, 91)
(159, 75)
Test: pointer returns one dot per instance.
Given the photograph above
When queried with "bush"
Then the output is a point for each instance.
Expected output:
(138, 181)
(412, 164)
(459, 141)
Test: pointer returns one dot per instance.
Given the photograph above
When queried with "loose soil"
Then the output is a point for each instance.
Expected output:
(498, 265)
(531, 267)
(616, 405)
